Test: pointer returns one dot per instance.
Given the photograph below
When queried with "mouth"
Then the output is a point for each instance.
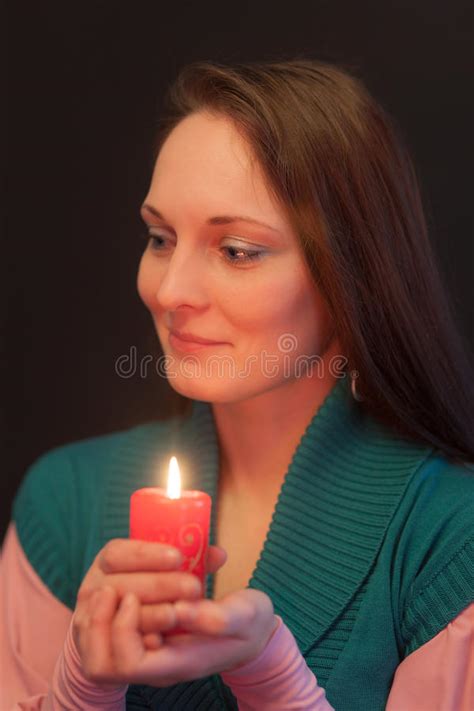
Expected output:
(188, 342)
(191, 338)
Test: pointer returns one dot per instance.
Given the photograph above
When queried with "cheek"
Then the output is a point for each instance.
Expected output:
(312, 321)
(298, 310)
(267, 312)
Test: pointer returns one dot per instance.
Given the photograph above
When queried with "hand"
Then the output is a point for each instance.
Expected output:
(222, 636)
(150, 571)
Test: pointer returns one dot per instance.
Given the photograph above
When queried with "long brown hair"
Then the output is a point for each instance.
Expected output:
(339, 168)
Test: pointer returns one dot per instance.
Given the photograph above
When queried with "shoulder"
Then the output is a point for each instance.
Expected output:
(83, 463)
(441, 497)
(69, 466)
(445, 472)
(435, 550)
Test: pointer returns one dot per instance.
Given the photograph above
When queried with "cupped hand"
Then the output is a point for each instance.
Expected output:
(220, 636)
(151, 572)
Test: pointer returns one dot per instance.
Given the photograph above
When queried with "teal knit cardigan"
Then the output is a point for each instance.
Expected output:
(370, 551)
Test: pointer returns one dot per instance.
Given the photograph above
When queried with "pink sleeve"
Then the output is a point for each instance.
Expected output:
(33, 626)
(439, 676)
(278, 679)
(40, 668)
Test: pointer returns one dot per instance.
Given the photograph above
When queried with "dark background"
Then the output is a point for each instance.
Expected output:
(86, 80)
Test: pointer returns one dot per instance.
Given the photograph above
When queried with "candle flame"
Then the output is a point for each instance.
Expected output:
(174, 479)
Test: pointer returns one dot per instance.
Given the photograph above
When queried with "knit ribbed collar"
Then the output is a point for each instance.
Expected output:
(342, 487)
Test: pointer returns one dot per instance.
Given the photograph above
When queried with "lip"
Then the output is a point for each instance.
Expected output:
(191, 338)
(188, 342)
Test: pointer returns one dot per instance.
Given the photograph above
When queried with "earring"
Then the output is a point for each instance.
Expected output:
(355, 394)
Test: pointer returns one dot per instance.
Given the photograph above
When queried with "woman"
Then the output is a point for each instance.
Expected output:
(327, 410)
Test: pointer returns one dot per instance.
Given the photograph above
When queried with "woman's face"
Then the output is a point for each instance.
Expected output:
(210, 269)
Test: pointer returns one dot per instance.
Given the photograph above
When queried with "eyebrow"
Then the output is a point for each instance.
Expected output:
(217, 220)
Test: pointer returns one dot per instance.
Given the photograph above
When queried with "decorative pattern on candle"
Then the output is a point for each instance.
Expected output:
(191, 542)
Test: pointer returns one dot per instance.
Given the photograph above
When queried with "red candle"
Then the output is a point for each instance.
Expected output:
(178, 518)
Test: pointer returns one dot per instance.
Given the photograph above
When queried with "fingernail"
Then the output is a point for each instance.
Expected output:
(173, 555)
(192, 586)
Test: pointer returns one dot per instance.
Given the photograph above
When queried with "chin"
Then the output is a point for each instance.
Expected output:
(222, 390)
(188, 388)
(206, 389)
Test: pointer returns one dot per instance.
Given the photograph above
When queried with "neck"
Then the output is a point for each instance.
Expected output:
(258, 436)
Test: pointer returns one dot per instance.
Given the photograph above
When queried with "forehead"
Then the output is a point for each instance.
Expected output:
(205, 163)
(210, 143)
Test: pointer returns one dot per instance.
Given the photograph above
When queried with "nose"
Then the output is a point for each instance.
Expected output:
(182, 282)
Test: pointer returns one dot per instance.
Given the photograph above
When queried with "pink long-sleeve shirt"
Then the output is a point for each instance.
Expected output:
(41, 671)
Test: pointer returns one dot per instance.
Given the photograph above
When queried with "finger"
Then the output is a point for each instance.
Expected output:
(95, 634)
(157, 587)
(123, 555)
(79, 619)
(202, 617)
(233, 615)
(216, 557)
(126, 640)
(157, 618)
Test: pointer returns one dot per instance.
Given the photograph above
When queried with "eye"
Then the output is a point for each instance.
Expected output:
(236, 254)
(158, 242)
